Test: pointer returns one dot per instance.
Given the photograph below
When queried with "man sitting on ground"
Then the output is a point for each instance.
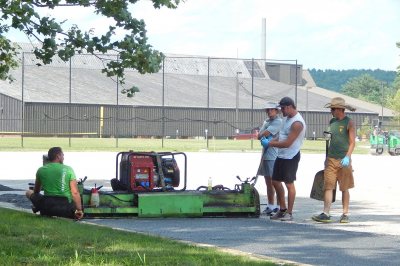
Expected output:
(61, 195)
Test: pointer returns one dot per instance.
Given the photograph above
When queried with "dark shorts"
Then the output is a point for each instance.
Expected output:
(285, 170)
(53, 205)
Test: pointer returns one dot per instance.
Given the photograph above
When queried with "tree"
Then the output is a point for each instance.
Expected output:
(364, 87)
(395, 101)
(133, 50)
(8, 54)
(395, 105)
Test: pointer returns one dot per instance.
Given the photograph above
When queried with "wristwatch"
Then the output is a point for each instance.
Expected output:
(78, 211)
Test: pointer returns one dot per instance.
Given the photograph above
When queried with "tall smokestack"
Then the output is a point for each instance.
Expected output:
(263, 38)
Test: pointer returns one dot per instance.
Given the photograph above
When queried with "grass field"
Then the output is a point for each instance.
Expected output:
(141, 144)
(49, 241)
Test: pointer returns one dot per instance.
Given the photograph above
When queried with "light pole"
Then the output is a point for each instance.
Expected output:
(382, 97)
(237, 102)
(307, 88)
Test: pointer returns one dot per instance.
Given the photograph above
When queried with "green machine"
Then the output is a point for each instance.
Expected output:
(147, 184)
(394, 142)
(386, 140)
(377, 143)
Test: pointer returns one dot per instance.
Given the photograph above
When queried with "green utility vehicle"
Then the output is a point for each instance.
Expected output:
(387, 140)
(394, 142)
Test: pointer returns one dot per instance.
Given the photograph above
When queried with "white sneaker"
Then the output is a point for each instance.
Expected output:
(270, 211)
(278, 215)
(286, 217)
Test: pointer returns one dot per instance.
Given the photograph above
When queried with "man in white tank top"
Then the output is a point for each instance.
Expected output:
(289, 143)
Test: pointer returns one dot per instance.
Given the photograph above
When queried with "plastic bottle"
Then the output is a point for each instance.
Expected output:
(209, 187)
(95, 198)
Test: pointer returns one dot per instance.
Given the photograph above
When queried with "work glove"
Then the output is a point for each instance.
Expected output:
(264, 142)
(345, 162)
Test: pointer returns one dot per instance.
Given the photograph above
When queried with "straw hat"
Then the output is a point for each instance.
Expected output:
(339, 102)
(271, 105)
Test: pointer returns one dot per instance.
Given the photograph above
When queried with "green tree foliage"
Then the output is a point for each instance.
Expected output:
(395, 105)
(56, 40)
(335, 79)
(395, 101)
(8, 54)
(364, 87)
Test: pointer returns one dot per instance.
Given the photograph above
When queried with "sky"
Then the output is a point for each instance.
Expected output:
(321, 34)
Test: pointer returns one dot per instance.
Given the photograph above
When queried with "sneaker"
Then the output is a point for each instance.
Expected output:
(323, 218)
(287, 217)
(278, 215)
(344, 219)
(269, 211)
(34, 209)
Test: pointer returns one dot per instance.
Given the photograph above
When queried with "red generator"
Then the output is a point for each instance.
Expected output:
(142, 173)
(146, 171)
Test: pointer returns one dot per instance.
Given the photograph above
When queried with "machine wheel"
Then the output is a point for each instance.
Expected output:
(376, 149)
(374, 152)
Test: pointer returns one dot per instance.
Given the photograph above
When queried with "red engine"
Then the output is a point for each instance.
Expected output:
(146, 171)
(142, 173)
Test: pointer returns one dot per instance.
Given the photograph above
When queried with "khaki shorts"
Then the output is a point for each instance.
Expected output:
(334, 172)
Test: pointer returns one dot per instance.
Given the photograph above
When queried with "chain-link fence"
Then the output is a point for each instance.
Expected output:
(189, 97)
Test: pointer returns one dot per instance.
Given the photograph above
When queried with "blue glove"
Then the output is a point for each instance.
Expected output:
(264, 142)
(345, 161)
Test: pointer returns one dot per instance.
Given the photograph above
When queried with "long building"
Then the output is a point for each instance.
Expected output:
(188, 96)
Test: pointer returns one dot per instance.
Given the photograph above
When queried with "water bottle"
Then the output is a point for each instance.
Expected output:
(209, 187)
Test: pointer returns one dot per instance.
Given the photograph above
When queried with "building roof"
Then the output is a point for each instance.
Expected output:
(185, 83)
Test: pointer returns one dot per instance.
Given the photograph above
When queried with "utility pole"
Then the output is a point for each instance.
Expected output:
(382, 98)
(237, 102)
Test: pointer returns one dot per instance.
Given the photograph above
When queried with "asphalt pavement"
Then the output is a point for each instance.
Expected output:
(299, 242)
(371, 238)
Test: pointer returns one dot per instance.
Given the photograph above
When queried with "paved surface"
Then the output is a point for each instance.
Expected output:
(372, 237)
(300, 242)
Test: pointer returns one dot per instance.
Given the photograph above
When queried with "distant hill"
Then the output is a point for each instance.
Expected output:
(335, 79)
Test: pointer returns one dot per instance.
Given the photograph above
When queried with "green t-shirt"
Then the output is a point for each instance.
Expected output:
(55, 179)
(339, 144)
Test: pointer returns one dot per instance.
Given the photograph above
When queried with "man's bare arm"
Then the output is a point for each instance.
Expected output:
(295, 131)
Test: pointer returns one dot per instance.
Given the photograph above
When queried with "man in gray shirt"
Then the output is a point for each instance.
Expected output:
(269, 129)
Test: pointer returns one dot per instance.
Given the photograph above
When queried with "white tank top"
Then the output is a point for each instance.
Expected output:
(289, 153)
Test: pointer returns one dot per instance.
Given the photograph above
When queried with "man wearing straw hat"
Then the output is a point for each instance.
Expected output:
(338, 163)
